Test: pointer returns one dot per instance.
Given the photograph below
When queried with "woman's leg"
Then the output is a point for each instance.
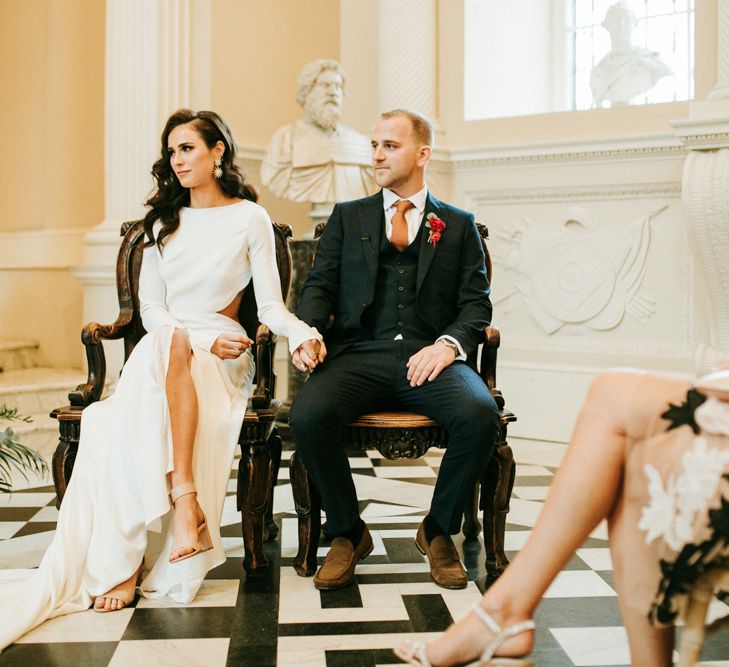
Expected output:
(182, 402)
(584, 492)
(649, 646)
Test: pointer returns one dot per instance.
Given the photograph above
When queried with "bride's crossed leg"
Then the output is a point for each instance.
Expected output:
(620, 408)
(188, 516)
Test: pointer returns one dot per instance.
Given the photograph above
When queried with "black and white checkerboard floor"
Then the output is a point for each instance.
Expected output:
(280, 619)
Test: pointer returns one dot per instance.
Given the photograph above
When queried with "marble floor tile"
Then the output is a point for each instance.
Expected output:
(531, 492)
(404, 472)
(9, 528)
(594, 646)
(212, 593)
(310, 651)
(87, 626)
(597, 558)
(25, 551)
(376, 511)
(579, 584)
(45, 514)
(26, 499)
(537, 452)
(527, 470)
(172, 653)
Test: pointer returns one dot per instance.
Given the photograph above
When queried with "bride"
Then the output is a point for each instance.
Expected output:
(143, 507)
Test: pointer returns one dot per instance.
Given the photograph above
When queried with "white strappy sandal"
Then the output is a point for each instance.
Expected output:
(414, 653)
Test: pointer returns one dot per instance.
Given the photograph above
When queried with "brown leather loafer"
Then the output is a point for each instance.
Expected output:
(337, 570)
(445, 565)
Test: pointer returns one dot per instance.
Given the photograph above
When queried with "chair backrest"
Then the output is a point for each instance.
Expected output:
(129, 262)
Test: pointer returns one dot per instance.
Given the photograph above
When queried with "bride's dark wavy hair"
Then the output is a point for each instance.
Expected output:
(169, 196)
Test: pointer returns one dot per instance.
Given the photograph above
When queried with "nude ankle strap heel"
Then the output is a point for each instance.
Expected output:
(181, 490)
(204, 541)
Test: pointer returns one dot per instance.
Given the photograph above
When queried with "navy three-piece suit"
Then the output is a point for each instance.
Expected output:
(386, 305)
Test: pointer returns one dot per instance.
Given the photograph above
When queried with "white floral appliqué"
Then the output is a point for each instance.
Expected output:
(713, 416)
(671, 510)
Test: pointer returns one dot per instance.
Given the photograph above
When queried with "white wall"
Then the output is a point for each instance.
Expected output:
(508, 51)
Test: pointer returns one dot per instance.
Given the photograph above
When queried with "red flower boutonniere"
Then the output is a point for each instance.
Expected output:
(436, 226)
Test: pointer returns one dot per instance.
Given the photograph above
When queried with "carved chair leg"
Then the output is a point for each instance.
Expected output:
(270, 529)
(64, 457)
(496, 486)
(308, 509)
(254, 482)
(471, 524)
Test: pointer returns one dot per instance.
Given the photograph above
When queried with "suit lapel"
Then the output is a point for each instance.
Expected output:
(427, 250)
(372, 222)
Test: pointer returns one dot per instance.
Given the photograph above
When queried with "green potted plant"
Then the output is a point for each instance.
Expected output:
(15, 455)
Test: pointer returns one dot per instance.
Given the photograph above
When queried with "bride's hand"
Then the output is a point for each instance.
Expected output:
(309, 354)
(230, 345)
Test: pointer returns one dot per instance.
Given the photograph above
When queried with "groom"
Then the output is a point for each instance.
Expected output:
(403, 276)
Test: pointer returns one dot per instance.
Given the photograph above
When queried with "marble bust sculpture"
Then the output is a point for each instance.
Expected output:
(317, 159)
(627, 70)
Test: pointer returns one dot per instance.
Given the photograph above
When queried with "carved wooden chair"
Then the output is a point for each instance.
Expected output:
(259, 439)
(409, 435)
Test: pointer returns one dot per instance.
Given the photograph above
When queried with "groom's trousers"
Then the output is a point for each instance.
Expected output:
(370, 376)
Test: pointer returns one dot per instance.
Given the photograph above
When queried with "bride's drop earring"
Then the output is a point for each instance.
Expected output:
(218, 170)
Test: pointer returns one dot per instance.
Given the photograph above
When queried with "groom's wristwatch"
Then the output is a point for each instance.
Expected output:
(449, 343)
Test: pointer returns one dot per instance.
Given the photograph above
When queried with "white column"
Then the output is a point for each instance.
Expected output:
(408, 50)
(721, 89)
(148, 75)
(706, 202)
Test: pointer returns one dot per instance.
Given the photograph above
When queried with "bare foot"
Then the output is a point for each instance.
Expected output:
(119, 596)
(187, 518)
(466, 640)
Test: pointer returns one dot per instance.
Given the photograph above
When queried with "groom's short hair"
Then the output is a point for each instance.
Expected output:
(422, 127)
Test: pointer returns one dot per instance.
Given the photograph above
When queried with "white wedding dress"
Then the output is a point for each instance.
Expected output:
(116, 509)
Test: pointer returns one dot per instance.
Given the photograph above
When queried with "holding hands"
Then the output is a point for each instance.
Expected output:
(309, 355)
(230, 345)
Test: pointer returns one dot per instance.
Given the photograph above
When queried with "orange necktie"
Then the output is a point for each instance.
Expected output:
(400, 225)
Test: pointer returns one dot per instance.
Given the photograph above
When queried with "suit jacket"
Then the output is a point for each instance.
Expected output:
(452, 290)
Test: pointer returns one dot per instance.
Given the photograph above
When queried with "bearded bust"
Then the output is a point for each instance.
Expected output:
(316, 159)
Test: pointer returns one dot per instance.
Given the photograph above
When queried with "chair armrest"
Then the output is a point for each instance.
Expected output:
(265, 378)
(91, 336)
(487, 367)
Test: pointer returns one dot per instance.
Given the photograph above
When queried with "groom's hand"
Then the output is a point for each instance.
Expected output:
(309, 355)
(426, 364)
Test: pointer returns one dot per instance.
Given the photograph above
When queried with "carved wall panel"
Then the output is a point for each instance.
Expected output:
(592, 268)
(605, 275)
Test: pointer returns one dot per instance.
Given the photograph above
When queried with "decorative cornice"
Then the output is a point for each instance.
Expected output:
(460, 159)
(704, 134)
(635, 147)
(571, 193)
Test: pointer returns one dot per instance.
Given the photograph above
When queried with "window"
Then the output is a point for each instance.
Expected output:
(526, 57)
